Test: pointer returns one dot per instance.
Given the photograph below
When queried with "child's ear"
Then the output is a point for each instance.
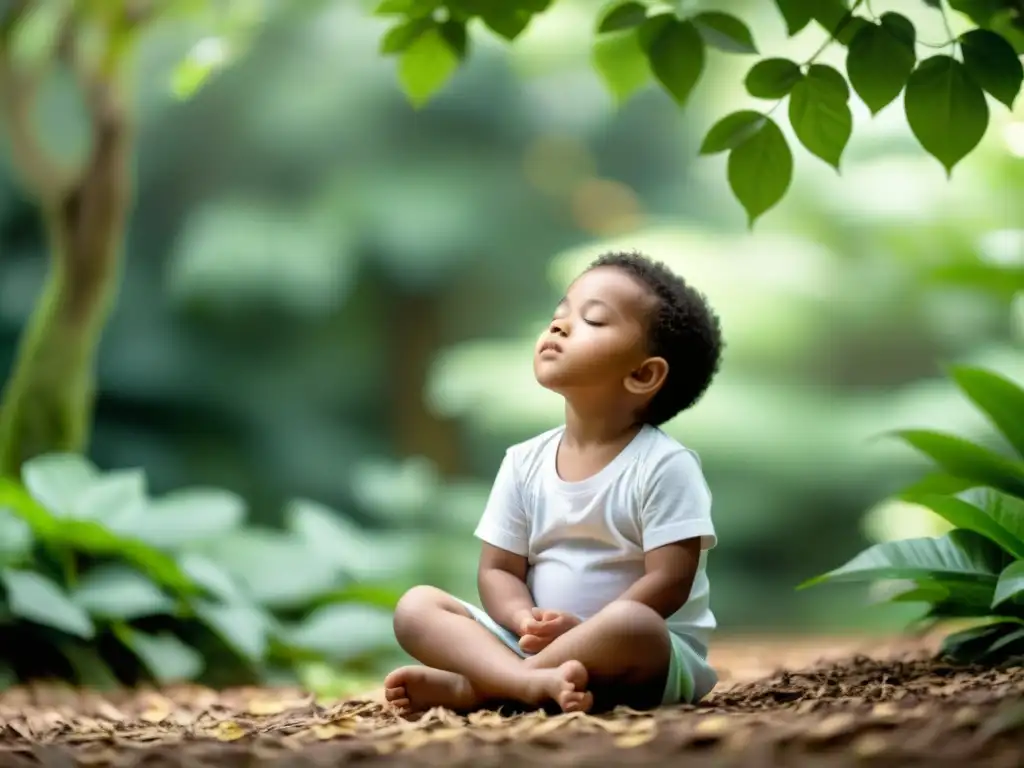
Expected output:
(648, 377)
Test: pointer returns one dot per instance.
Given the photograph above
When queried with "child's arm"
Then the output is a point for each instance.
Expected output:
(676, 526)
(668, 577)
(501, 581)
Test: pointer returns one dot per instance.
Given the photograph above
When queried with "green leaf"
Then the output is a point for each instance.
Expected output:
(1004, 280)
(36, 598)
(244, 628)
(936, 482)
(900, 27)
(978, 11)
(772, 78)
(622, 63)
(404, 34)
(405, 7)
(8, 677)
(426, 66)
(624, 14)
(1000, 519)
(185, 517)
(725, 32)
(760, 170)
(676, 55)
(1006, 24)
(344, 632)
(211, 577)
(878, 64)
(111, 497)
(993, 64)
(55, 480)
(796, 13)
(971, 644)
(166, 657)
(507, 22)
(962, 458)
(116, 592)
(820, 114)
(959, 555)
(948, 598)
(1010, 585)
(838, 20)
(731, 131)
(1000, 399)
(946, 109)
(90, 670)
(1004, 643)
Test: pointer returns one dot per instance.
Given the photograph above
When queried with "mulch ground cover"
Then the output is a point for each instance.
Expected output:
(891, 708)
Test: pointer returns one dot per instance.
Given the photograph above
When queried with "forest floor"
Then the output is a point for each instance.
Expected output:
(805, 702)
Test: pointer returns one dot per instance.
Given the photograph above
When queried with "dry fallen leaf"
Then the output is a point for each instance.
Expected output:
(228, 730)
(832, 726)
(645, 731)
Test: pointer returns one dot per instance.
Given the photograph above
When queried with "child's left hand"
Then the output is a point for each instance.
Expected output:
(544, 627)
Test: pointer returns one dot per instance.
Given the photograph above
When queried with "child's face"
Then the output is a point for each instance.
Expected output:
(597, 337)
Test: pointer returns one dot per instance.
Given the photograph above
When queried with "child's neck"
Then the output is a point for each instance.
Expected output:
(599, 426)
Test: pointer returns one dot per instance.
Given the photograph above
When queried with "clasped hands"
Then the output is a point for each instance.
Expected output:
(538, 628)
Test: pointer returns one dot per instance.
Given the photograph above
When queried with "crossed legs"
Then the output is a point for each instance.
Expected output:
(621, 655)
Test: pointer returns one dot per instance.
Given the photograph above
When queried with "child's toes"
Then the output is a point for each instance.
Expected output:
(394, 694)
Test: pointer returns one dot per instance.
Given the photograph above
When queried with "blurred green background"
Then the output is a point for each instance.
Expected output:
(332, 296)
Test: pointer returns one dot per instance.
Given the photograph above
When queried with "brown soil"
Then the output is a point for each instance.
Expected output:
(834, 706)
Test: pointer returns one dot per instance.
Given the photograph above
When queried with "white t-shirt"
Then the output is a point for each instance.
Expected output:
(585, 541)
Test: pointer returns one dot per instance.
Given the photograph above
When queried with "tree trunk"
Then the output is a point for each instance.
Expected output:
(47, 402)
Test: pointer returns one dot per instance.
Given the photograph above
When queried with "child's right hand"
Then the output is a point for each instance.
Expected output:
(542, 626)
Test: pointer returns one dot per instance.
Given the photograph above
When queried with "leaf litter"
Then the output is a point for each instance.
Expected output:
(888, 708)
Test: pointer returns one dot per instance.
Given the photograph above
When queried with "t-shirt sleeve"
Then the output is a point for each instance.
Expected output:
(677, 503)
(504, 523)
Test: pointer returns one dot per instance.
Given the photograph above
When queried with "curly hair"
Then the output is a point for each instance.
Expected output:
(682, 328)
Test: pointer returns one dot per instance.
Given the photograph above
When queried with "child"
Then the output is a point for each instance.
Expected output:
(592, 575)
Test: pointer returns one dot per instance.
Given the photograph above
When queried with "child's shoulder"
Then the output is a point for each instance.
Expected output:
(662, 453)
(528, 454)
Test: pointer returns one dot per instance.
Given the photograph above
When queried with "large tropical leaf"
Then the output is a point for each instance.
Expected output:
(1001, 399)
(964, 459)
(947, 598)
(999, 518)
(1010, 584)
(960, 555)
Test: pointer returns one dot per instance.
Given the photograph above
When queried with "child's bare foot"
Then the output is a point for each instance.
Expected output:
(414, 689)
(566, 685)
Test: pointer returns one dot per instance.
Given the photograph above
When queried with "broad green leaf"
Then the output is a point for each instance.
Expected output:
(210, 576)
(760, 170)
(90, 670)
(772, 78)
(622, 63)
(344, 632)
(900, 27)
(167, 658)
(426, 66)
(404, 34)
(796, 13)
(378, 595)
(208, 57)
(55, 480)
(111, 497)
(956, 597)
(1005, 642)
(962, 458)
(1004, 280)
(936, 482)
(959, 555)
(244, 628)
(978, 11)
(838, 20)
(1010, 584)
(278, 570)
(970, 644)
(454, 33)
(36, 598)
(1007, 25)
(15, 537)
(676, 55)
(1001, 523)
(405, 7)
(820, 114)
(622, 14)
(946, 109)
(993, 64)
(184, 518)
(507, 22)
(725, 32)
(731, 131)
(116, 592)
(1000, 399)
(878, 64)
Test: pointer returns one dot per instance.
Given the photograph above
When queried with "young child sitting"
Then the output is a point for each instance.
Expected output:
(592, 575)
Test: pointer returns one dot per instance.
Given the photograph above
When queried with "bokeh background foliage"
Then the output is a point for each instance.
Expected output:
(321, 343)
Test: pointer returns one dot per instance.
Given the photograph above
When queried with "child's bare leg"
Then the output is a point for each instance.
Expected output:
(466, 665)
(625, 648)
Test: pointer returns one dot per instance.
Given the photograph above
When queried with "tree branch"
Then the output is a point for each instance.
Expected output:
(40, 173)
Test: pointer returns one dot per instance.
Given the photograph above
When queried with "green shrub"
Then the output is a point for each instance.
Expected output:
(976, 571)
(102, 585)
